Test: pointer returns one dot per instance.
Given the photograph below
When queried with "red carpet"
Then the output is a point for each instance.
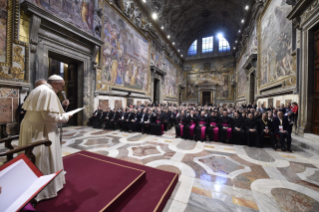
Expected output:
(93, 184)
(85, 189)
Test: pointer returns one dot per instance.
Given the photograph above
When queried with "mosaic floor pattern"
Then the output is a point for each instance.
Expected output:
(213, 176)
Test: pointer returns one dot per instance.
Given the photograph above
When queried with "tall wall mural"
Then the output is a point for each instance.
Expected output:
(217, 71)
(253, 42)
(157, 56)
(3, 30)
(171, 79)
(79, 13)
(125, 55)
(242, 85)
(275, 39)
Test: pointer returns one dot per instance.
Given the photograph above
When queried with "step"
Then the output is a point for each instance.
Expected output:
(150, 192)
(304, 142)
(93, 184)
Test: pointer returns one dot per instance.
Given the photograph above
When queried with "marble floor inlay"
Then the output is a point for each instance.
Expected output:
(212, 176)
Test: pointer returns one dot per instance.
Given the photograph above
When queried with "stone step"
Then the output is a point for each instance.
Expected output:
(312, 137)
(306, 143)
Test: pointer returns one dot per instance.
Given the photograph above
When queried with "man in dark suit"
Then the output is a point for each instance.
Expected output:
(114, 119)
(130, 120)
(265, 129)
(281, 126)
(107, 118)
(146, 121)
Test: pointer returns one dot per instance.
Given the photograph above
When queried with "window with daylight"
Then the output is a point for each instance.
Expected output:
(208, 44)
(223, 45)
(192, 49)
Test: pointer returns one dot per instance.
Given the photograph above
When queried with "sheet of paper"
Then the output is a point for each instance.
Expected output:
(34, 188)
(72, 112)
(15, 181)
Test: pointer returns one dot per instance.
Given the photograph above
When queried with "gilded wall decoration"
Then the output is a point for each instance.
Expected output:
(157, 56)
(3, 30)
(18, 68)
(125, 54)
(9, 101)
(242, 87)
(171, 79)
(275, 43)
(78, 13)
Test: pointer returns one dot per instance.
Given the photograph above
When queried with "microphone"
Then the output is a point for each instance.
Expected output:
(63, 94)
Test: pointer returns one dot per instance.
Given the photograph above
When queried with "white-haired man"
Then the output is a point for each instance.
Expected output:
(44, 112)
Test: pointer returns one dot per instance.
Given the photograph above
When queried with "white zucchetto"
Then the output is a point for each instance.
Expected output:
(56, 78)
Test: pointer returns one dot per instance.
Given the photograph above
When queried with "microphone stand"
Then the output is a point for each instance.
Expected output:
(61, 132)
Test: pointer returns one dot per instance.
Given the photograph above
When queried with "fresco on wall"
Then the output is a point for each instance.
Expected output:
(171, 80)
(78, 13)
(3, 30)
(242, 87)
(157, 56)
(276, 62)
(223, 89)
(220, 79)
(222, 64)
(125, 60)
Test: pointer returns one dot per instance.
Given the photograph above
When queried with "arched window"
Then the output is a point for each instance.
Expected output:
(223, 44)
(208, 44)
(192, 49)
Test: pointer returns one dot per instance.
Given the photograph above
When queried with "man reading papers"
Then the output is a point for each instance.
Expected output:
(44, 111)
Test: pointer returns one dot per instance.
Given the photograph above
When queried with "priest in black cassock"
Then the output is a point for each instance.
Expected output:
(265, 129)
(238, 130)
(146, 121)
(131, 118)
(225, 127)
(180, 124)
(157, 126)
(189, 128)
(251, 130)
(212, 130)
(201, 124)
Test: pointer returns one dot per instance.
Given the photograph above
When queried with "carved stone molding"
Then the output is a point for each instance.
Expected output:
(251, 62)
(35, 23)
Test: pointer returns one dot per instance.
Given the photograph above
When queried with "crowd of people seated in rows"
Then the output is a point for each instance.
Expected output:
(244, 125)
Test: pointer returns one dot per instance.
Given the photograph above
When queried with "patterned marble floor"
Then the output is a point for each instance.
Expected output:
(213, 176)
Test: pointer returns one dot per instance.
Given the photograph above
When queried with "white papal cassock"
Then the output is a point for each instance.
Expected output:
(44, 111)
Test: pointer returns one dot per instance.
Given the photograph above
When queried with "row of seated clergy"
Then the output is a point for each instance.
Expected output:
(145, 121)
(237, 130)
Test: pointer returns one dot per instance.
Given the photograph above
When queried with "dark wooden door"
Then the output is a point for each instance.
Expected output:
(72, 89)
(206, 98)
(315, 124)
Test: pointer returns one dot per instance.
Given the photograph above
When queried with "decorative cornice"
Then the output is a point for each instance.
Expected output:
(299, 8)
(251, 62)
(30, 9)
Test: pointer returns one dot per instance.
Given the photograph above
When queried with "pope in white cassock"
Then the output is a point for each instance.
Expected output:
(44, 111)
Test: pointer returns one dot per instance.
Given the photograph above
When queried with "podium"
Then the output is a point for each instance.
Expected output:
(21, 181)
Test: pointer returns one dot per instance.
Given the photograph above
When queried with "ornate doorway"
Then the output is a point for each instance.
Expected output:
(206, 97)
